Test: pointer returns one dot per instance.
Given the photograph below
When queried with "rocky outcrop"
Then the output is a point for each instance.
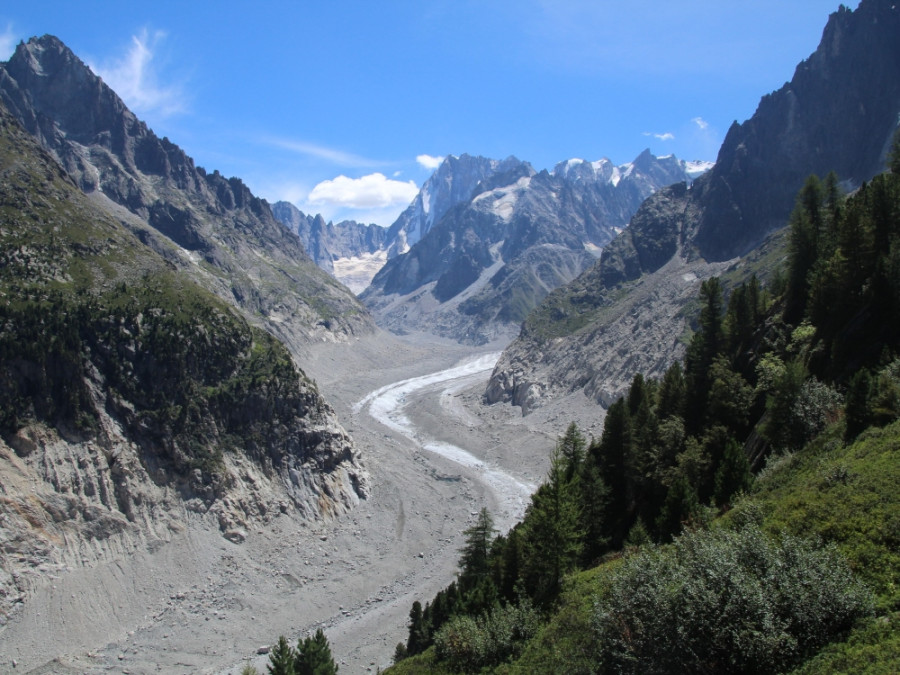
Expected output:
(838, 113)
(211, 226)
(491, 258)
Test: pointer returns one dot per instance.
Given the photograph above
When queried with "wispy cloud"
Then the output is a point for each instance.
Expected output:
(429, 162)
(701, 123)
(133, 76)
(367, 192)
(332, 155)
(8, 42)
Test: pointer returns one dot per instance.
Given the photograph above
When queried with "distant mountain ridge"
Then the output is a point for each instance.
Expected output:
(508, 236)
(336, 246)
(223, 235)
(838, 113)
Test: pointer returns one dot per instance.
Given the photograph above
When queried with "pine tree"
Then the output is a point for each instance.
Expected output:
(707, 343)
(281, 658)
(419, 633)
(572, 447)
(473, 561)
(610, 455)
(313, 656)
(671, 393)
(733, 474)
(553, 537)
(805, 227)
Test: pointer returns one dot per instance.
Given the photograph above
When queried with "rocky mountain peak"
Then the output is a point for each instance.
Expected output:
(454, 182)
(122, 164)
(837, 113)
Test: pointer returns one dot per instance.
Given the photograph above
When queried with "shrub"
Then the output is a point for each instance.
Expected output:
(725, 601)
(468, 644)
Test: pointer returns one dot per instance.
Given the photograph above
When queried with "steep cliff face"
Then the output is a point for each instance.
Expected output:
(453, 183)
(491, 258)
(133, 403)
(838, 113)
(211, 226)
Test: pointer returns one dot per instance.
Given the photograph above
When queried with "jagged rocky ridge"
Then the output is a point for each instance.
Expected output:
(211, 226)
(627, 313)
(327, 242)
(480, 268)
(133, 403)
(351, 252)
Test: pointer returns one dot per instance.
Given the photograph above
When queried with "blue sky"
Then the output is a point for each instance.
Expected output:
(344, 107)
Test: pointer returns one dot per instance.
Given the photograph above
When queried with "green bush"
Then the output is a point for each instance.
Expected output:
(468, 644)
(726, 601)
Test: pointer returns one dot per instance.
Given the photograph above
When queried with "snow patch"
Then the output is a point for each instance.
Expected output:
(505, 198)
(356, 273)
(697, 168)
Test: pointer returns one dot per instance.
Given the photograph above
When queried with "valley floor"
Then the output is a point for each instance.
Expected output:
(202, 604)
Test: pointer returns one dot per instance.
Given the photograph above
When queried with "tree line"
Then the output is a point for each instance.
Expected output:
(764, 373)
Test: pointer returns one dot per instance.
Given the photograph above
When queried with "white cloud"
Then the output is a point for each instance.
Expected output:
(8, 42)
(429, 162)
(133, 77)
(368, 192)
(700, 122)
(667, 136)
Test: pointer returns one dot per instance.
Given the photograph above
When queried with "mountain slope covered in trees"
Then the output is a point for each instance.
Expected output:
(767, 460)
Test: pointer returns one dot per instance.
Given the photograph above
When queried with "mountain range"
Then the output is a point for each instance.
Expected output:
(629, 312)
(487, 240)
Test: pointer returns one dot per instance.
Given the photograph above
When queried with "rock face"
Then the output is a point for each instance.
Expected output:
(481, 267)
(327, 242)
(454, 182)
(209, 225)
(134, 404)
(838, 113)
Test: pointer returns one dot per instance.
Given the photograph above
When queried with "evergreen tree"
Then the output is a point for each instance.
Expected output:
(553, 538)
(610, 454)
(595, 496)
(419, 633)
(313, 656)
(805, 226)
(680, 507)
(705, 345)
(473, 561)
(672, 393)
(281, 658)
(572, 448)
(733, 474)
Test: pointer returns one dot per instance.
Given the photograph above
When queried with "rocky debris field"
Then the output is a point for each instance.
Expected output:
(200, 603)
